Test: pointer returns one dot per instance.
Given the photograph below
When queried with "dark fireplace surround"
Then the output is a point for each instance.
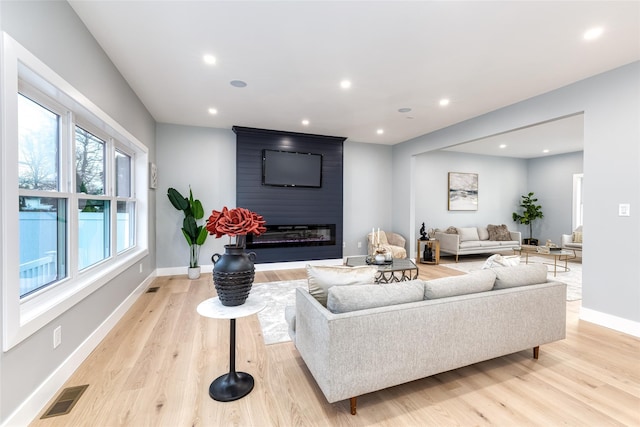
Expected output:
(302, 223)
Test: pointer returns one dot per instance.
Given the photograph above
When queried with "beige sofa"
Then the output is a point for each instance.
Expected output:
(377, 336)
(476, 240)
(391, 242)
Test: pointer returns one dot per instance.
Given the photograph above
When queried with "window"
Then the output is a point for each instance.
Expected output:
(73, 182)
(577, 200)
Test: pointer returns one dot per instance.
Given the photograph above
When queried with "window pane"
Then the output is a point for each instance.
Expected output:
(123, 175)
(125, 225)
(89, 163)
(43, 242)
(93, 232)
(38, 137)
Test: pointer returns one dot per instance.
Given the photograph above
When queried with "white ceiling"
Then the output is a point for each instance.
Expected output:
(482, 55)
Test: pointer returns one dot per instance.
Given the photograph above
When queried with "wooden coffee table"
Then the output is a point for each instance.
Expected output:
(398, 270)
(561, 255)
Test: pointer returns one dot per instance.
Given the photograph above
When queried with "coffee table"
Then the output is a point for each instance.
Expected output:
(398, 270)
(561, 255)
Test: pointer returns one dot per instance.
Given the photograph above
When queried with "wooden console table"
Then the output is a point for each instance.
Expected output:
(435, 247)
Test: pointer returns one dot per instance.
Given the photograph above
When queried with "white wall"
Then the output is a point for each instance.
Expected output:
(611, 106)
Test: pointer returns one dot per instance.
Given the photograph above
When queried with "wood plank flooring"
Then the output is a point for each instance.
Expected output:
(154, 369)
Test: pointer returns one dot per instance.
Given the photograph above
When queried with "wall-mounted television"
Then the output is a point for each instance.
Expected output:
(291, 169)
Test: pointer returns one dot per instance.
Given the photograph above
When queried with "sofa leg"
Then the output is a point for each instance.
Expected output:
(353, 402)
(536, 351)
(456, 257)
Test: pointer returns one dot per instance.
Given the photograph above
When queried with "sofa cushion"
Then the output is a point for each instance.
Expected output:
(519, 275)
(468, 234)
(342, 299)
(498, 232)
(321, 278)
(483, 233)
(451, 230)
(476, 281)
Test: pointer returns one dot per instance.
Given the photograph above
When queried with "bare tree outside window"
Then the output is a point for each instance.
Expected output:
(89, 163)
(38, 134)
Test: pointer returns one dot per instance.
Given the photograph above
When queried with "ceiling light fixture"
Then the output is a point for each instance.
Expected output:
(404, 110)
(209, 59)
(380, 131)
(305, 122)
(545, 150)
(345, 84)
(213, 111)
(238, 83)
(503, 145)
(444, 102)
(593, 33)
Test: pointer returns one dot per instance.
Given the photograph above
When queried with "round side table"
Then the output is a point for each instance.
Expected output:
(232, 385)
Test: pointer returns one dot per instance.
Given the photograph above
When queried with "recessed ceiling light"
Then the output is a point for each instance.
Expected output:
(345, 84)
(444, 102)
(380, 131)
(209, 59)
(305, 122)
(503, 145)
(546, 150)
(213, 111)
(593, 33)
(237, 83)
(404, 110)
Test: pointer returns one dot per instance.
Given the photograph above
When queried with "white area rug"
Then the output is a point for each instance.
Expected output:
(277, 295)
(573, 277)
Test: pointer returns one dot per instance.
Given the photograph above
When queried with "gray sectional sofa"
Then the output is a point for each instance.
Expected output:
(376, 336)
(477, 240)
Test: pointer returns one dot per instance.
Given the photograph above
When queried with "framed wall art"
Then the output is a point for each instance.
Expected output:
(153, 176)
(463, 191)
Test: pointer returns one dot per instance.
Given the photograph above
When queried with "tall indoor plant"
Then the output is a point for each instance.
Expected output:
(194, 234)
(233, 271)
(531, 212)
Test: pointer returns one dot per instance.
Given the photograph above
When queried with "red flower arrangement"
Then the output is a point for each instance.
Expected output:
(237, 222)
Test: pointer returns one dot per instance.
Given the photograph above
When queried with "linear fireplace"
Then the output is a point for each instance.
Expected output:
(282, 236)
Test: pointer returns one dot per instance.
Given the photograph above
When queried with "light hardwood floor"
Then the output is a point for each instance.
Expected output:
(154, 369)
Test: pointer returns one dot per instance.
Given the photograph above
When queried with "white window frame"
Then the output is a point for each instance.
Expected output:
(578, 202)
(23, 317)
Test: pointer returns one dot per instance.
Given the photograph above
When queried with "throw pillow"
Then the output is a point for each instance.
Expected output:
(498, 232)
(577, 237)
(483, 233)
(476, 281)
(520, 275)
(343, 299)
(451, 230)
(321, 278)
(468, 233)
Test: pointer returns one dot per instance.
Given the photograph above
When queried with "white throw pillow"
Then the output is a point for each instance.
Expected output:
(483, 233)
(468, 233)
(320, 278)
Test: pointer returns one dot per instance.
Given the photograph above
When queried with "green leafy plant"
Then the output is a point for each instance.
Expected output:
(531, 212)
(194, 234)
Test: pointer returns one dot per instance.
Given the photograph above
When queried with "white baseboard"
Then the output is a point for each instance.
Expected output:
(32, 406)
(612, 322)
(175, 271)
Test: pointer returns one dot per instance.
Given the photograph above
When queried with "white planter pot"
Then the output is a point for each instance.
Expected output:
(193, 273)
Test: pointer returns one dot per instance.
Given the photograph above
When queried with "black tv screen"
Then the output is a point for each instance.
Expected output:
(291, 169)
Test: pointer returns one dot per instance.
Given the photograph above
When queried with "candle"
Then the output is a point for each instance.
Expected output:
(378, 236)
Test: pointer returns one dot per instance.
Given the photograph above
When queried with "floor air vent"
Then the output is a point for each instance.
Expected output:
(65, 401)
(152, 290)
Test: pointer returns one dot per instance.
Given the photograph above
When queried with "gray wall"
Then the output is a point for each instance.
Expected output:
(501, 180)
(610, 102)
(52, 32)
(551, 179)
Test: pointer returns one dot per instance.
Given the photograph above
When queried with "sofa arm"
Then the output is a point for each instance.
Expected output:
(517, 236)
(395, 239)
(565, 239)
(449, 243)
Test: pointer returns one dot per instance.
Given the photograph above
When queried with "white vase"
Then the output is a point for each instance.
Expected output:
(193, 273)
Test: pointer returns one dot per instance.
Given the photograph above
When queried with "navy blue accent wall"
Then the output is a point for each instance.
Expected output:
(291, 205)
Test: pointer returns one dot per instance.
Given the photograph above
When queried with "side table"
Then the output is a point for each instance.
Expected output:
(435, 247)
(232, 385)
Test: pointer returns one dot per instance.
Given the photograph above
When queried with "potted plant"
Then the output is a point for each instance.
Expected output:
(194, 234)
(530, 213)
